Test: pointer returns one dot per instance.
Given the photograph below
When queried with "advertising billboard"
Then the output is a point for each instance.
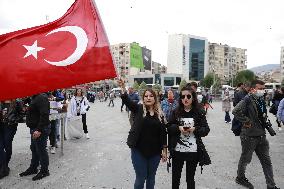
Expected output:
(136, 59)
(147, 58)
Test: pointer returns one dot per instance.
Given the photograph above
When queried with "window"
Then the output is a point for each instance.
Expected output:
(178, 80)
(169, 81)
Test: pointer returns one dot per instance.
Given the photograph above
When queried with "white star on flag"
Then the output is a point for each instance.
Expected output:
(32, 50)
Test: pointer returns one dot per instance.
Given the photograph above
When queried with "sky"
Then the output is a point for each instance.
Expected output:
(255, 25)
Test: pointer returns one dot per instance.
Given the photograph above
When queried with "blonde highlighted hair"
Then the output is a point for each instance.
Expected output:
(157, 107)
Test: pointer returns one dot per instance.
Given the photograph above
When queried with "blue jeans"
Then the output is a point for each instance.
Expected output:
(145, 169)
(39, 152)
(7, 134)
(227, 117)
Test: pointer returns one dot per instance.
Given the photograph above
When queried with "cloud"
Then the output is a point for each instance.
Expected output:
(253, 25)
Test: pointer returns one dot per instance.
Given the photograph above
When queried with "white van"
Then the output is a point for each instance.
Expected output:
(117, 91)
(270, 87)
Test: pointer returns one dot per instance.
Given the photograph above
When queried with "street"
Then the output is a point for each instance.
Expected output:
(104, 160)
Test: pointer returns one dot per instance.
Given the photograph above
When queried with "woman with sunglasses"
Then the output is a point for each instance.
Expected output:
(147, 137)
(186, 127)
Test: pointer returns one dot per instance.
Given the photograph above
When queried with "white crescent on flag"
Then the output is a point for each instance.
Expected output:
(82, 42)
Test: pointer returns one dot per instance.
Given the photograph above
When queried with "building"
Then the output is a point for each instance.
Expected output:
(188, 55)
(158, 68)
(165, 80)
(282, 63)
(226, 61)
(131, 59)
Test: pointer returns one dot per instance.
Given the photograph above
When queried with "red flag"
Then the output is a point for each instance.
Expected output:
(71, 50)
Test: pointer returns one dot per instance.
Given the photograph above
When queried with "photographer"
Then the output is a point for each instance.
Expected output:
(11, 113)
(251, 112)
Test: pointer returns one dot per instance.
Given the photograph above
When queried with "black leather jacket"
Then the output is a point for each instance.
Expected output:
(38, 112)
(14, 113)
(201, 130)
(135, 130)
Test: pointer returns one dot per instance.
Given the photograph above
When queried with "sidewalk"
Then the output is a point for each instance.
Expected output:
(104, 160)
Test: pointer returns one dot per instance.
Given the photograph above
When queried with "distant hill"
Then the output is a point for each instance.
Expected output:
(265, 68)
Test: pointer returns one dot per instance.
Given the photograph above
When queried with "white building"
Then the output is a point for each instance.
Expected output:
(188, 55)
(226, 61)
(165, 80)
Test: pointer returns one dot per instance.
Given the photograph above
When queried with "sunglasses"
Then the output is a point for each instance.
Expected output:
(187, 96)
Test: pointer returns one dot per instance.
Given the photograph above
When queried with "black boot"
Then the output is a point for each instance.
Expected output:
(41, 175)
(4, 171)
(29, 171)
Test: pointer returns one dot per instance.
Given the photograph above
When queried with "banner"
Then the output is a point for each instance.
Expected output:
(136, 59)
(71, 50)
(147, 60)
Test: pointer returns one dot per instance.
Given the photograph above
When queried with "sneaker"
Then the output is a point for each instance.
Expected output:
(87, 136)
(230, 122)
(52, 150)
(226, 121)
(244, 182)
(29, 171)
(279, 129)
(41, 175)
(275, 187)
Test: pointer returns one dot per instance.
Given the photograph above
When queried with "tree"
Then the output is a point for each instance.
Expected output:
(244, 77)
(182, 84)
(157, 87)
(143, 86)
(135, 86)
(208, 80)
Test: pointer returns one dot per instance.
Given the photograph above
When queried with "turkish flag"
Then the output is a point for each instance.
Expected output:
(71, 50)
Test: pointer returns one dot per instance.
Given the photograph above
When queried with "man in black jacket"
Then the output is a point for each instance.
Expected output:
(38, 122)
(250, 112)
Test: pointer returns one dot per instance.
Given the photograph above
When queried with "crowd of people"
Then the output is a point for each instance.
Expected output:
(168, 128)
(183, 119)
(35, 111)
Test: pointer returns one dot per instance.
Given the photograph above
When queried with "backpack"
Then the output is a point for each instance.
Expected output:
(236, 124)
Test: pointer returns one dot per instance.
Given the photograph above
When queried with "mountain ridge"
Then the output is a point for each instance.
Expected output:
(265, 68)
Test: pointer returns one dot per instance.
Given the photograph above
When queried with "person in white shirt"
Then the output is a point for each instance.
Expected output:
(80, 106)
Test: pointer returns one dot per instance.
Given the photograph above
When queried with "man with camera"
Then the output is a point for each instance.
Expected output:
(251, 112)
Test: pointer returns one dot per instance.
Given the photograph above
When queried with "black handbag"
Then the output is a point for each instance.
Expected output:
(204, 158)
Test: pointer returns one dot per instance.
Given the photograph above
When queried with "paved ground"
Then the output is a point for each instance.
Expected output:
(104, 160)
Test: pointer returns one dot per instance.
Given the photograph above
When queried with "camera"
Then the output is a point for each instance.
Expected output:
(268, 127)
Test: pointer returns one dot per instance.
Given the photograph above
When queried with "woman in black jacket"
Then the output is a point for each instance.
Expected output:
(186, 127)
(147, 137)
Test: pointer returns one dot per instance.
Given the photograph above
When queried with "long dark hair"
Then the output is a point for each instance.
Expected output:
(195, 105)
(82, 92)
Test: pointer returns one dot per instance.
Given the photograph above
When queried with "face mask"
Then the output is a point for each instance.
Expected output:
(259, 93)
